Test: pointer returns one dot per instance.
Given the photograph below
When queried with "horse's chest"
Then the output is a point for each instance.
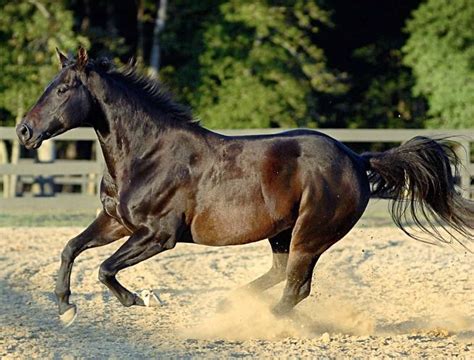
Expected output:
(137, 197)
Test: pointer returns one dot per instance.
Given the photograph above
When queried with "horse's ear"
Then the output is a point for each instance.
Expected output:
(82, 58)
(62, 58)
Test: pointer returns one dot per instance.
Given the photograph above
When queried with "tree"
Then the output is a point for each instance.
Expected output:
(29, 33)
(440, 50)
(383, 95)
(259, 67)
(160, 22)
(109, 26)
(183, 42)
(365, 43)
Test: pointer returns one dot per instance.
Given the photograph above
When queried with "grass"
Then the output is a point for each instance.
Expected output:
(375, 215)
(45, 218)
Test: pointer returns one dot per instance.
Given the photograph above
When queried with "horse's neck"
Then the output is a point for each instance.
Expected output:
(126, 131)
(123, 138)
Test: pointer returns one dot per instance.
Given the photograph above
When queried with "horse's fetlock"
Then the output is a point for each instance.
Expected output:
(62, 293)
(304, 290)
(129, 301)
(102, 277)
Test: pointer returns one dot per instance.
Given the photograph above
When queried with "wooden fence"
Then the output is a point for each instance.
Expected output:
(87, 173)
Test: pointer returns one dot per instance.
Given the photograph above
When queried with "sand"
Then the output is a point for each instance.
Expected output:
(376, 293)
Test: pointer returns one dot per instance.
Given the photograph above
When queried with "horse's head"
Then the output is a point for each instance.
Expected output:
(65, 104)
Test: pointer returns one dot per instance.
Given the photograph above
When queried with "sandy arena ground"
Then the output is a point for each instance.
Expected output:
(375, 294)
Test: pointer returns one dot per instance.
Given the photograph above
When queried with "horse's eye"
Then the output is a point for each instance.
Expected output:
(62, 89)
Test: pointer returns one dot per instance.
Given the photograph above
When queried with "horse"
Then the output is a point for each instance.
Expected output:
(168, 180)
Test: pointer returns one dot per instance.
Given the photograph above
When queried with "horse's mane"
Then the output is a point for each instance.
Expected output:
(148, 92)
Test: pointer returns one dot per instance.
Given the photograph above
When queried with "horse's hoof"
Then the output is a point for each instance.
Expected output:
(281, 310)
(149, 299)
(68, 317)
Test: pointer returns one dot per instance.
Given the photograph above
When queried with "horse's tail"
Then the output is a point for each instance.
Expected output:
(418, 179)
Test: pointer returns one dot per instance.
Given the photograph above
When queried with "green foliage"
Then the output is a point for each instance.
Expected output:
(260, 68)
(182, 42)
(50, 217)
(100, 22)
(440, 50)
(29, 33)
(386, 101)
(262, 63)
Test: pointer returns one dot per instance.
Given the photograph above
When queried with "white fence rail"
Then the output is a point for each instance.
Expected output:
(87, 173)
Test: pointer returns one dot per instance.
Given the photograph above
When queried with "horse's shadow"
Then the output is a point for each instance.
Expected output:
(24, 319)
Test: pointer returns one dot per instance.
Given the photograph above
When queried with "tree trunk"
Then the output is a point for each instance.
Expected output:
(140, 34)
(86, 20)
(160, 22)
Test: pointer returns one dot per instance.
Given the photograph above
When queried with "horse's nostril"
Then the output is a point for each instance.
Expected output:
(24, 132)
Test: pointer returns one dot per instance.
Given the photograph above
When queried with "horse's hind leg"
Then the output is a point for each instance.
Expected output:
(280, 246)
(309, 240)
(102, 231)
(299, 272)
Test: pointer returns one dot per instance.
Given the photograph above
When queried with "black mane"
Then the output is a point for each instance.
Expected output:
(148, 92)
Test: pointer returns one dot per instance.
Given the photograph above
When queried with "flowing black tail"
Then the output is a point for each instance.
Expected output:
(417, 177)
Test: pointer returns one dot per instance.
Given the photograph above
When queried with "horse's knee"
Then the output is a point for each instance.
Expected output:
(67, 253)
(71, 250)
(61, 291)
(105, 272)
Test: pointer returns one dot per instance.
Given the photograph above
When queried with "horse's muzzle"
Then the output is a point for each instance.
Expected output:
(25, 134)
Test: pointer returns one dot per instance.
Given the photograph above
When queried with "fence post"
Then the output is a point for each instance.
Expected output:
(99, 157)
(4, 160)
(46, 154)
(463, 152)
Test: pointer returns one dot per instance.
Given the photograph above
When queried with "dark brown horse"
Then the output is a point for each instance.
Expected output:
(168, 180)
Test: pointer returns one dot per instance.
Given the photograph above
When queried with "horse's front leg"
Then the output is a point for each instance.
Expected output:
(102, 231)
(145, 242)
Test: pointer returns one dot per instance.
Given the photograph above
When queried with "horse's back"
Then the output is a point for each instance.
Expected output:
(259, 183)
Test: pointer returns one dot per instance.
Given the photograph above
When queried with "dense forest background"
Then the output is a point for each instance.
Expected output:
(255, 64)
